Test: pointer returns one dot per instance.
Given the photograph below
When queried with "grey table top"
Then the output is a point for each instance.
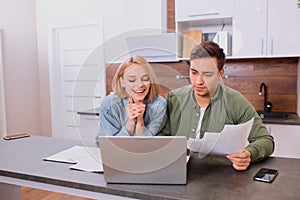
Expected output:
(209, 178)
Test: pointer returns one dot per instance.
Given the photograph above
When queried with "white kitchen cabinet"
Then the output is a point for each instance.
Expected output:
(286, 139)
(266, 28)
(249, 28)
(283, 28)
(209, 16)
(89, 126)
(187, 10)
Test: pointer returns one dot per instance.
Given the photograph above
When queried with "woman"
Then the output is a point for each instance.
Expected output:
(134, 108)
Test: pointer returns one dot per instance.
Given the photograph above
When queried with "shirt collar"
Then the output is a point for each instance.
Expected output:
(218, 94)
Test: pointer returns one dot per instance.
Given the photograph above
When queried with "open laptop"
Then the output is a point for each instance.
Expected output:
(144, 160)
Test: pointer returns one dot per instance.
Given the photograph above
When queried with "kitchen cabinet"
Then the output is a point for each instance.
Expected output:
(89, 126)
(283, 31)
(286, 139)
(266, 28)
(208, 16)
(187, 10)
(249, 32)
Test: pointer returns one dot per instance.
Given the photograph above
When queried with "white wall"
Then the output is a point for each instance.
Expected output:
(19, 51)
(26, 27)
(118, 15)
(136, 17)
(53, 14)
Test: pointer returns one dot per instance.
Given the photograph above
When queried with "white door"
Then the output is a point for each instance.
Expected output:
(2, 97)
(77, 77)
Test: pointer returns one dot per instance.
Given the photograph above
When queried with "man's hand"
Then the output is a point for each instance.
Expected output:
(240, 161)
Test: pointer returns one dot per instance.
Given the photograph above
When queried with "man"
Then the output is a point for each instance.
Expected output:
(206, 106)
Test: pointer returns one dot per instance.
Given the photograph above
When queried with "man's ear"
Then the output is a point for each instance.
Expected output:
(221, 73)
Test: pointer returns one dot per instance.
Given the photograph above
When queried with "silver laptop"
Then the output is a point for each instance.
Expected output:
(145, 160)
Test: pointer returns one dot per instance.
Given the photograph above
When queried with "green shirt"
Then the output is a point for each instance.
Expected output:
(226, 107)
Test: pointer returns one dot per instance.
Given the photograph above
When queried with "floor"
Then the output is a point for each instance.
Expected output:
(35, 194)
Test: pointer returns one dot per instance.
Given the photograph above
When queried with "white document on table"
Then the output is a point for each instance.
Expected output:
(84, 158)
(232, 139)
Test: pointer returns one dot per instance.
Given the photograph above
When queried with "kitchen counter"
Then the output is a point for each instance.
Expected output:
(209, 178)
(293, 118)
(94, 111)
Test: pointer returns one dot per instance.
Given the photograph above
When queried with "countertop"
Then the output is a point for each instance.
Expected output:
(293, 118)
(209, 178)
(94, 111)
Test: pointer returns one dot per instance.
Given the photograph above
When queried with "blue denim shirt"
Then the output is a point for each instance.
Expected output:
(113, 116)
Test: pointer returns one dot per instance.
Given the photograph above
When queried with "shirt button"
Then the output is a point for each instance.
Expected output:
(193, 130)
(197, 114)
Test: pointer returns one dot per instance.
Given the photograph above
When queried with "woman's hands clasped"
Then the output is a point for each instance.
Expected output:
(135, 112)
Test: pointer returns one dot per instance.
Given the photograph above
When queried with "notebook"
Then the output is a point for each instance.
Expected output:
(144, 160)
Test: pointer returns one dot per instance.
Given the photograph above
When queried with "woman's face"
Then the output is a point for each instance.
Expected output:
(136, 82)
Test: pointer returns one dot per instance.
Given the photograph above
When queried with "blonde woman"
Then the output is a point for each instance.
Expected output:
(134, 108)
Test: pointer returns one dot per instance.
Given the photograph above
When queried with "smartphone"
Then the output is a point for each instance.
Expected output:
(16, 136)
(266, 175)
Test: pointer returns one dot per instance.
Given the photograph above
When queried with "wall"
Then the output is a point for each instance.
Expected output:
(21, 82)
(298, 88)
(118, 17)
(52, 14)
(280, 74)
(135, 17)
(244, 75)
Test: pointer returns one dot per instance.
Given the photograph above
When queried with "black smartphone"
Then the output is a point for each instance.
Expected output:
(16, 136)
(266, 175)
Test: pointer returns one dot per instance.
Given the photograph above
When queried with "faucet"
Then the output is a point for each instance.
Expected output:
(267, 104)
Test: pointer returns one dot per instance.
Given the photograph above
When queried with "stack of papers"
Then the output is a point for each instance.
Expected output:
(232, 139)
(84, 158)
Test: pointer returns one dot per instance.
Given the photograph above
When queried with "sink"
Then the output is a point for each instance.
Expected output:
(273, 115)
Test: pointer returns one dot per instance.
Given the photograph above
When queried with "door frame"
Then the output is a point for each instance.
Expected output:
(56, 106)
(3, 129)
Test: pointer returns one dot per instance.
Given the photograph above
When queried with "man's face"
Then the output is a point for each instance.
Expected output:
(204, 76)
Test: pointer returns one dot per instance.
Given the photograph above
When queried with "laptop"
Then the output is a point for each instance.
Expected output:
(144, 160)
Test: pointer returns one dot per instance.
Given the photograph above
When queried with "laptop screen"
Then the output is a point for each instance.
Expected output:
(159, 159)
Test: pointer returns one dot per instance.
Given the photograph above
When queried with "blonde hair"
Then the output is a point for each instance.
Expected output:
(116, 82)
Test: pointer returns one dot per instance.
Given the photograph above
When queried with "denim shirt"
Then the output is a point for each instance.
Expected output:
(113, 116)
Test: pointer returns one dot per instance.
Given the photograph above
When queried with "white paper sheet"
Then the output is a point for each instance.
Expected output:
(85, 158)
(232, 139)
